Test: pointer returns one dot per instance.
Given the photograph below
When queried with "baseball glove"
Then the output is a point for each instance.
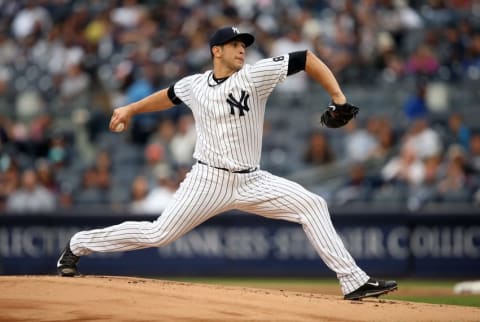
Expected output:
(337, 115)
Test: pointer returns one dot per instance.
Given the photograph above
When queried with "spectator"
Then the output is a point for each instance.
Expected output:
(423, 140)
(29, 105)
(98, 30)
(7, 51)
(90, 193)
(128, 15)
(474, 152)
(139, 192)
(396, 17)
(103, 168)
(437, 13)
(385, 137)
(183, 142)
(452, 51)
(5, 76)
(164, 135)
(360, 144)
(159, 197)
(154, 156)
(50, 53)
(46, 176)
(459, 131)
(9, 179)
(358, 186)
(405, 168)
(386, 56)
(454, 186)
(472, 61)
(318, 150)
(65, 196)
(75, 82)
(423, 62)
(142, 33)
(31, 20)
(58, 152)
(5, 129)
(426, 191)
(416, 105)
(31, 197)
(138, 87)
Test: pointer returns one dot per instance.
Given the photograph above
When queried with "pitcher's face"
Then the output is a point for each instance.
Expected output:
(232, 54)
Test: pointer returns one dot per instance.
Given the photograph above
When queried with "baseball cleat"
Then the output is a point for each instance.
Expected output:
(67, 263)
(373, 288)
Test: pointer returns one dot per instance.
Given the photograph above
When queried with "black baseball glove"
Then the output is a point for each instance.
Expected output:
(337, 115)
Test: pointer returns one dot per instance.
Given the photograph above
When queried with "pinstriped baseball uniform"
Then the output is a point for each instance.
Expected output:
(229, 115)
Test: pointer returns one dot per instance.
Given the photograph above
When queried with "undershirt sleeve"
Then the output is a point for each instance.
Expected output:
(172, 96)
(296, 62)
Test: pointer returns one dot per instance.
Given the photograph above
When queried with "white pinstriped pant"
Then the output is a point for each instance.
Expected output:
(207, 191)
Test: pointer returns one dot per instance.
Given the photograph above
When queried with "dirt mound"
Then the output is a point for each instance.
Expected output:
(96, 298)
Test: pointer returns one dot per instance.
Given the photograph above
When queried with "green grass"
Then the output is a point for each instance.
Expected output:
(434, 285)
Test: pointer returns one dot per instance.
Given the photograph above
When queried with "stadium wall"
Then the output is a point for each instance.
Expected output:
(239, 244)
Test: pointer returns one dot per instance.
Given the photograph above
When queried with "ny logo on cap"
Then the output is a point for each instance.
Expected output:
(235, 30)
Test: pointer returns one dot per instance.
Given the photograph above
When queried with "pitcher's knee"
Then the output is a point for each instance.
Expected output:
(317, 207)
(317, 203)
(322, 202)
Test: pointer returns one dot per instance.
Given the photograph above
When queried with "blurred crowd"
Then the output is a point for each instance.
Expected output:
(421, 165)
(65, 65)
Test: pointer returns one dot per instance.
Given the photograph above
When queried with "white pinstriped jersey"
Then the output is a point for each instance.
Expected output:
(229, 115)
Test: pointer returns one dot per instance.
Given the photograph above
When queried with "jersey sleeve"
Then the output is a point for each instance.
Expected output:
(267, 73)
(183, 89)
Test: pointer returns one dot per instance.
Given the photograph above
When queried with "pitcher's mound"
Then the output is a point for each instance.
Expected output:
(96, 298)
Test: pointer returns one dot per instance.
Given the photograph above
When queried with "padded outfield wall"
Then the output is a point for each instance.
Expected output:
(239, 244)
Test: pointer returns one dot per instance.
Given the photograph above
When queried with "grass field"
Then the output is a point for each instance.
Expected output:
(425, 291)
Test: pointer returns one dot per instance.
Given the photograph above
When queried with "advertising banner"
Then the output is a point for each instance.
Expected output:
(238, 244)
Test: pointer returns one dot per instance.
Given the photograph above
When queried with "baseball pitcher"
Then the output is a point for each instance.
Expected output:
(228, 104)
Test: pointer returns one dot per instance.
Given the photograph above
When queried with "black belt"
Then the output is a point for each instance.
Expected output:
(249, 170)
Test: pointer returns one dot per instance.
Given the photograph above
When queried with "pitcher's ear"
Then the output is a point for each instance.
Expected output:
(216, 51)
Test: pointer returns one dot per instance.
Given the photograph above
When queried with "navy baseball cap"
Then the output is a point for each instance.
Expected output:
(227, 34)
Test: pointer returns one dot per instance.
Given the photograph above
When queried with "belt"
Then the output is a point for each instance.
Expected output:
(249, 170)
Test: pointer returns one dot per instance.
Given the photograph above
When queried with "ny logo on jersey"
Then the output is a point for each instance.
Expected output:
(235, 30)
(241, 104)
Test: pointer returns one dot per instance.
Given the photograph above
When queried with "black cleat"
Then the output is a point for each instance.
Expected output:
(67, 263)
(373, 288)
